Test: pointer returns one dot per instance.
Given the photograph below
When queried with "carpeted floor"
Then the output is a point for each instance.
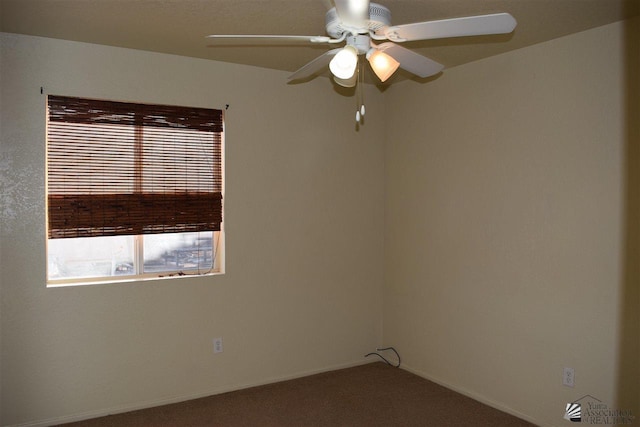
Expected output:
(375, 394)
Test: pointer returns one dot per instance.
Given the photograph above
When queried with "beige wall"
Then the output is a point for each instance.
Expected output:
(507, 233)
(508, 217)
(304, 232)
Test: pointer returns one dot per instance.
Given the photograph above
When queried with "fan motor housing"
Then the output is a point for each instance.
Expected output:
(379, 17)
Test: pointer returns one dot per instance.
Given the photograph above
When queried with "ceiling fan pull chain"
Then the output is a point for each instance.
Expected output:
(360, 110)
(358, 22)
(358, 92)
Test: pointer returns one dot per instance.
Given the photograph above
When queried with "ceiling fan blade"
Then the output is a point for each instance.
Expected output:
(314, 66)
(497, 23)
(253, 38)
(414, 63)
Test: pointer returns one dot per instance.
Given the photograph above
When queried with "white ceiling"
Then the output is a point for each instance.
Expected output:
(180, 26)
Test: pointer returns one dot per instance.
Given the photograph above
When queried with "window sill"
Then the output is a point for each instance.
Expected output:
(84, 281)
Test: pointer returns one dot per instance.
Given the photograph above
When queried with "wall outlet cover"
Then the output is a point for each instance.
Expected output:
(217, 345)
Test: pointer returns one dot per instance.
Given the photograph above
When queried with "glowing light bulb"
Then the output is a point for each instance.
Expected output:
(343, 65)
(382, 64)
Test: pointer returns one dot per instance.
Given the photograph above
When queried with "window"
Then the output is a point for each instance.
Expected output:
(133, 190)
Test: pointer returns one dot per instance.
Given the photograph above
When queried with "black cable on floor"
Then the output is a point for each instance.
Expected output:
(383, 358)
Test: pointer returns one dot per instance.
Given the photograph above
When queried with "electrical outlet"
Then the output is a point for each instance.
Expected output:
(217, 345)
(568, 377)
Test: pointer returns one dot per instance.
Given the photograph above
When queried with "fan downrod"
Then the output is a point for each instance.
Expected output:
(379, 17)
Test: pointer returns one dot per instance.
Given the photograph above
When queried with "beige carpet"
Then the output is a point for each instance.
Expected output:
(375, 394)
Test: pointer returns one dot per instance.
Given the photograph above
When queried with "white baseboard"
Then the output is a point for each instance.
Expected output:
(177, 399)
(219, 390)
(475, 396)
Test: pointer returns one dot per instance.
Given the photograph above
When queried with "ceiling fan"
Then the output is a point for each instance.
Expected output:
(360, 24)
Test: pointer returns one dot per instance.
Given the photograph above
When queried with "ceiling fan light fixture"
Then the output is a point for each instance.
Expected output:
(382, 64)
(343, 65)
(350, 82)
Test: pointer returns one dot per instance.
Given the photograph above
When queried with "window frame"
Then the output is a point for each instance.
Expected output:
(218, 236)
(216, 269)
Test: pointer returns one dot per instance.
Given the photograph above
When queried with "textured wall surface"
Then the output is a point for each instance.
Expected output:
(507, 192)
(481, 222)
(304, 241)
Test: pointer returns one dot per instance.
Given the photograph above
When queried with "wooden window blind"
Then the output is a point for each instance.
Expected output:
(119, 168)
